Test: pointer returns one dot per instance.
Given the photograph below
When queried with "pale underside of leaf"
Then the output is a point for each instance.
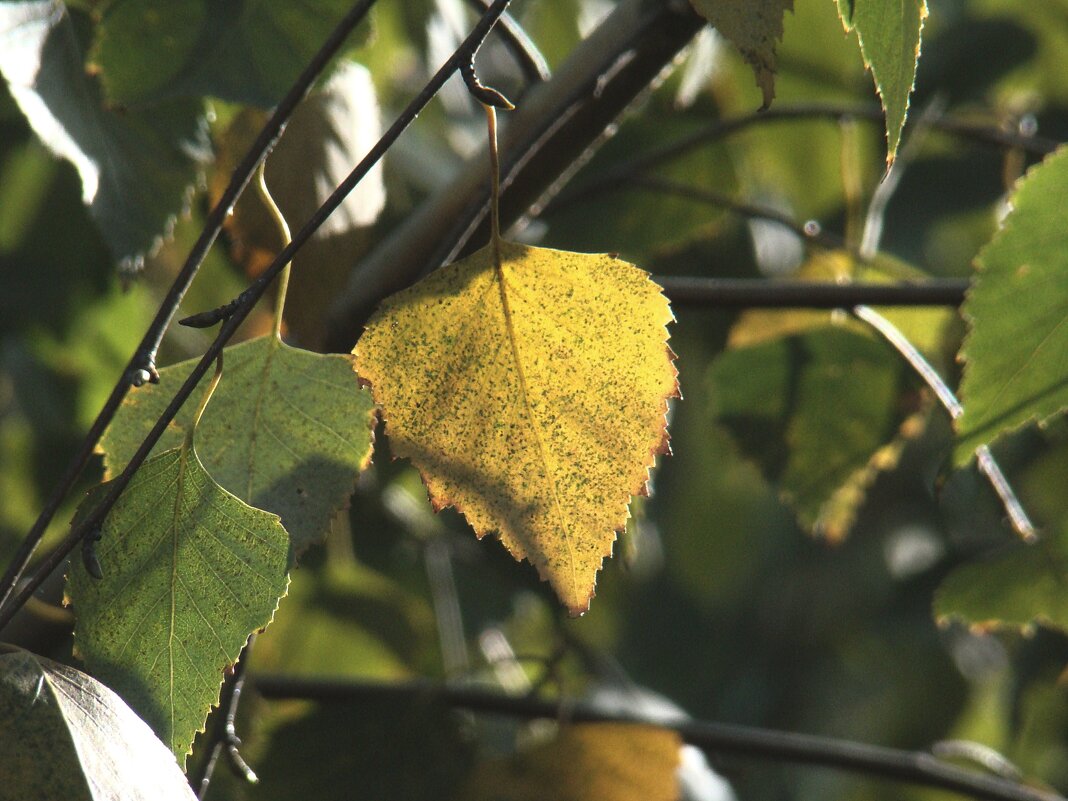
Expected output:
(189, 572)
(1016, 351)
(754, 27)
(890, 33)
(532, 398)
(287, 431)
(69, 737)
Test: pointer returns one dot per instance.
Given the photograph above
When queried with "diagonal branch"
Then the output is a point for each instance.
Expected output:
(749, 293)
(142, 365)
(240, 308)
(911, 767)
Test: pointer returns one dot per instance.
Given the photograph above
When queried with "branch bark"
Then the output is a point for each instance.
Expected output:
(911, 767)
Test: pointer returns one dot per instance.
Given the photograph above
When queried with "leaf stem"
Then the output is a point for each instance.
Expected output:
(495, 183)
(215, 379)
(243, 306)
(913, 767)
(142, 367)
(984, 458)
(283, 229)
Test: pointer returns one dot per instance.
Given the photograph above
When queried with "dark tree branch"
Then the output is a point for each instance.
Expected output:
(742, 293)
(912, 767)
(142, 365)
(245, 303)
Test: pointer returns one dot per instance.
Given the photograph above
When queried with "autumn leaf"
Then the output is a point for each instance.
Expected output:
(754, 27)
(530, 396)
(287, 431)
(189, 571)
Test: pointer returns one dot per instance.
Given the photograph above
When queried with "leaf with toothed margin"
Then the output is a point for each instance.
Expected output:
(137, 167)
(1016, 351)
(889, 32)
(754, 27)
(532, 397)
(287, 431)
(189, 571)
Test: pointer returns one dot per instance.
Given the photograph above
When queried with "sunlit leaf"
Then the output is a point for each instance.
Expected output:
(244, 52)
(588, 761)
(531, 397)
(754, 28)
(1024, 586)
(67, 736)
(189, 571)
(820, 414)
(287, 431)
(1015, 370)
(136, 167)
(889, 33)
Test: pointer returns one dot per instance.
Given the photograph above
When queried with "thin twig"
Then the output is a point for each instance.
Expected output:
(223, 739)
(247, 300)
(987, 464)
(913, 767)
(530, 60)
(749, 293)
(142, 367)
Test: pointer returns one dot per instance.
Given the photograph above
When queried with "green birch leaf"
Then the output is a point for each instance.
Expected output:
(1015, 368)
(76, 739)
(137, 167)
(147, 50)
(819, 413)
(287, 430)
(889, 32)
(1025, 586)
(189, 572)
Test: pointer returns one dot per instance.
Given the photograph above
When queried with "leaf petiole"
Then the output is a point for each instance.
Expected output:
(283, 228)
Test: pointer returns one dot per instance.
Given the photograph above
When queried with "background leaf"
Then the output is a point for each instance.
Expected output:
(534, 403)
(136, 167)
(287, 430)
(1018, 589)
(329, 133)
(189, 572)
(149, 50)
(591, 762)
(817, 412)
(889, 32)
(1017, 312)
(754, 28)
(68, 736)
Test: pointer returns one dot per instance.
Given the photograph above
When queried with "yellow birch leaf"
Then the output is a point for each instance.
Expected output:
(532, 397)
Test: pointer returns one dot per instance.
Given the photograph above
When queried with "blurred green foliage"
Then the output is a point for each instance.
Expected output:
(722, 603)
